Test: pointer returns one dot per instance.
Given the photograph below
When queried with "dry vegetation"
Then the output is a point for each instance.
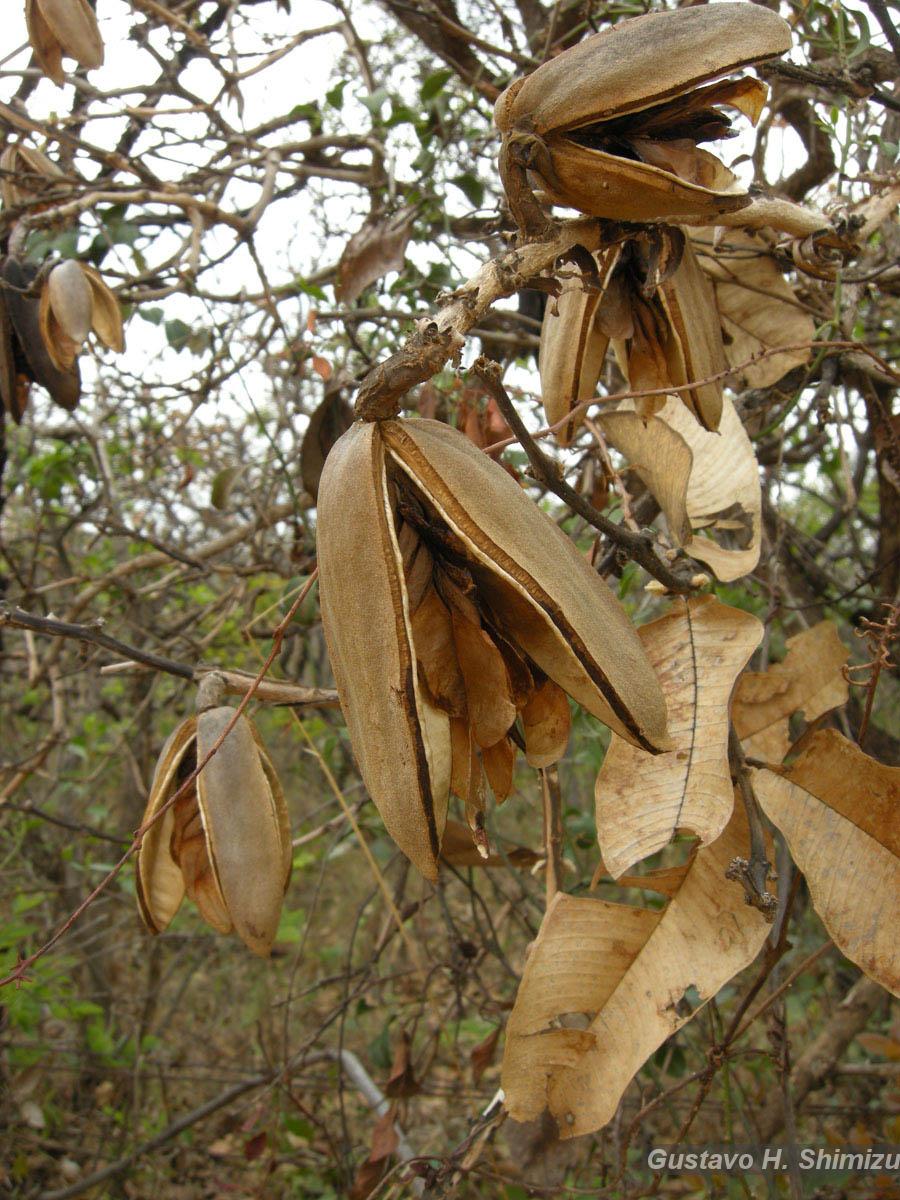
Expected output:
(262, 197)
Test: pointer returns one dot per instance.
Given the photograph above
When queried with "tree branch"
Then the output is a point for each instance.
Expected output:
(236, 682)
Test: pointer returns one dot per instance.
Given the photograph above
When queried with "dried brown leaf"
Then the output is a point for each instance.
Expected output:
(838, 810)
(698, 650)
(378, 247)
(331, 418)
(385, 1140)
(703, 481)
(758, 307)
(605, 985)
(809, 680)
(459, 850)
(483, 1055)
(402, 1080)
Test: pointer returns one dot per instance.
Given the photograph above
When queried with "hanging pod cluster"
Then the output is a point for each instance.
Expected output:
(458, 617)
(226, 843)
(613, 127)
(649, 299)
(42, 335)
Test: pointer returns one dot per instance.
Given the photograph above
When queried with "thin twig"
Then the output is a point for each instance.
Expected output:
(753, 872)
(18, 618)
(553, 828)
(270, 691)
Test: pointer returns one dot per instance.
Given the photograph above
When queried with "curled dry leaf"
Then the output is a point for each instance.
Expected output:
(445, 602)
(63, 28)
(331, 418)
(612, 126)
(758, 307)
(809, 679)
(605, 985)
(661, 322)
(226, 843)
(378, 247)
(704, 482)
(698, 650)
(837, 809)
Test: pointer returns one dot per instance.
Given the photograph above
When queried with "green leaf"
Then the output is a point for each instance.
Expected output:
(380, 1049)
(865, 36)
(335, 97)
(471, 188)
(178, 334)
(222, 484)
(375, 102)
(99, 1040)
(298, 1127)
(309, 289)
(434, 84)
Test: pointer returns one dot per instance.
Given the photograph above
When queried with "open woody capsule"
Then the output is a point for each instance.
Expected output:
(226, 843)
(453, 606)
(612, 126)
(650, 301)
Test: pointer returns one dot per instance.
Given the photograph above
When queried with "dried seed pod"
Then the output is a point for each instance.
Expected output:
(514, 590)
(58, 28)
(106, 316)
(65, 312)
(611, 127)
(24, 347)
(226, 843)
(573, 347)
(662, 322)
(75, 300)
(25, 172)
